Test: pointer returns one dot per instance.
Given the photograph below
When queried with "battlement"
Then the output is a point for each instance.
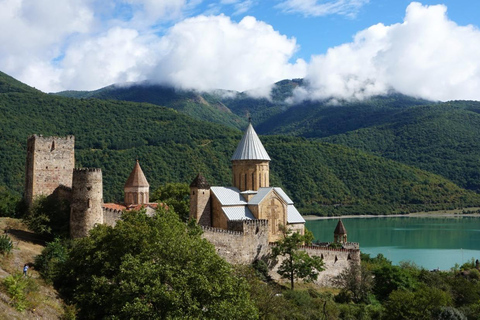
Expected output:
(86, 170)
(49, 138)
(112, 211)
(224, 231)
(346, 245)
(330, 249)
(256, 222)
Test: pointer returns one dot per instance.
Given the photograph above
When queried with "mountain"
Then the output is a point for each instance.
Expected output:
(437, 137)
(202, 106)
(441, 138)
(321, 178)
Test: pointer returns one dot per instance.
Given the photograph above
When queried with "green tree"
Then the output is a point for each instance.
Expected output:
(423, 303)
(389, 278)
(175, 195)
(49, 217)
(296, 264)
(152, 268)
(49, 261)
(8, 203)
(355, 282)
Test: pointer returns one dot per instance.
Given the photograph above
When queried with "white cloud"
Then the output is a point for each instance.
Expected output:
(84, 45)
(213, 52)
(427, 56)
(34, 31)
(120, 55)
(314, 8)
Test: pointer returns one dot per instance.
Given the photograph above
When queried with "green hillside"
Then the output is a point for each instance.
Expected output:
(442, 138)
(172, 147)
(313, 119)
(202, 106)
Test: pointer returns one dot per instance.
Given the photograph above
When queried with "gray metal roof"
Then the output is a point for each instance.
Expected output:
(284, 196)
(293, 216)
(238, 213)
(261, 194)
(228, 196)
(250, 147)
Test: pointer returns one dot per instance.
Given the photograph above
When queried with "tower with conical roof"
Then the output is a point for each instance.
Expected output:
(200, 208)
(250, 163)
(340, 233)
(136, 188)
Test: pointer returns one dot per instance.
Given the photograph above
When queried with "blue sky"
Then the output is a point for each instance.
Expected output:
(348, 49)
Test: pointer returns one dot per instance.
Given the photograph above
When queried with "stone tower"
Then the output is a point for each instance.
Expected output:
(87, 200)
(137, 189)
(340, 233)
(250, 163)
(200, 206)
(50, 162)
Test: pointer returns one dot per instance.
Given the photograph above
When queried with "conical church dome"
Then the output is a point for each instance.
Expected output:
(340, 229)
(136, 178)
(250, 147)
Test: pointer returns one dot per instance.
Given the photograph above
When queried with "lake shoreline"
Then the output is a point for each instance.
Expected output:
(432, 214)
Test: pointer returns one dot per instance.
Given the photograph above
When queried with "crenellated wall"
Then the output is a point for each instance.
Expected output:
(111, 216)
(335, 262)
(245, 242)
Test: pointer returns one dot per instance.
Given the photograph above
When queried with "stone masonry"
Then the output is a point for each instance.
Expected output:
(50, 162)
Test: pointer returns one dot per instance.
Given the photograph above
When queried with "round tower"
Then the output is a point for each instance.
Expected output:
(200, 209)
(137, 189)
(250, 163)
(87, 200)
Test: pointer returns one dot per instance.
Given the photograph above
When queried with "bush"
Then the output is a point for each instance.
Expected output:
(49, 217)
(20, 289)
(48, 263)
(6, 245)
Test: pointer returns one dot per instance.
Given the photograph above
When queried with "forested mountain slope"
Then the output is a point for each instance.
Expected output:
(172, 147)
(441, 138)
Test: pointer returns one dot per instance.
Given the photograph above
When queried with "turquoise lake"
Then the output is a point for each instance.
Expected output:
(430, 242)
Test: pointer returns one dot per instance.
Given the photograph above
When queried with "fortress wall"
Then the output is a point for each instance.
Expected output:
(335, 262)
(111, 216)
(50, 162)
(244, 246)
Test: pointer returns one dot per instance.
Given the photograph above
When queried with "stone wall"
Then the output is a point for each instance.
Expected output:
(246, 242)
(335, 262)
(111, 216)
(50, 162)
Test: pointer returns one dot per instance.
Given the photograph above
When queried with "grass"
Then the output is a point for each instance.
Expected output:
(31, 297)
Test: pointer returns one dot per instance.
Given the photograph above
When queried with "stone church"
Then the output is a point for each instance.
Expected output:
(250, 198)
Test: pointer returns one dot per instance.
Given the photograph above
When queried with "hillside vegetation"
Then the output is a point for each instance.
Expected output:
(172, 147)
(440, 138)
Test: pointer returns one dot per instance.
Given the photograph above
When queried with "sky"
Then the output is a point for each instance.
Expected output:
(344, 49)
